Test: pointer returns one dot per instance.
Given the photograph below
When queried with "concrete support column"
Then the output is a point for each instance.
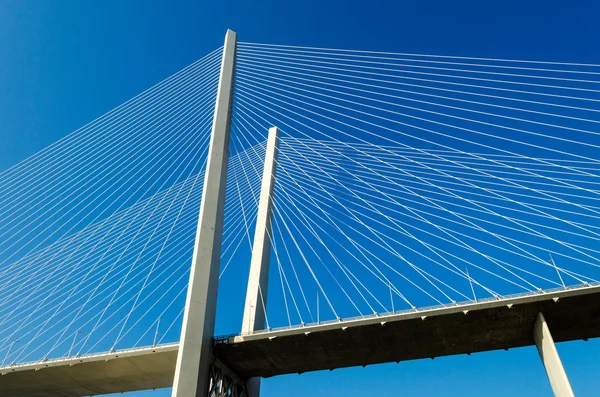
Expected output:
(197, 332)
(258, 280)
(549, 355)
(256, 294)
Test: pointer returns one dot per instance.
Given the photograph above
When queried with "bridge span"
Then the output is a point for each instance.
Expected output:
(363, 191)
(464, 328)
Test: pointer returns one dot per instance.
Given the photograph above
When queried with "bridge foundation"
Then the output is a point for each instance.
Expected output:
(258, 279)
(195, 358)
(550, 358)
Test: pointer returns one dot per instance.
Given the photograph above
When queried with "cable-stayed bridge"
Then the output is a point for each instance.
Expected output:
(367, 207)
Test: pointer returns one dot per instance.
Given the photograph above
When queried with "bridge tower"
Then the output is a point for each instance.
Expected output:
(197, 371)
(258, 279)
(195, 349)
(195, 359)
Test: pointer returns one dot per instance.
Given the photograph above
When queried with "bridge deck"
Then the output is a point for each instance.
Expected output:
(445, 331)
(90, 375)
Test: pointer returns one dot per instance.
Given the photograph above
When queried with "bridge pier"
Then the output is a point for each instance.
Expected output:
(258, 279)
(550, 358)
(195, 358)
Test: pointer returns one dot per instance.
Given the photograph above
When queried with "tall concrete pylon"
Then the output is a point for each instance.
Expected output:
(258, 279)
(195, 347)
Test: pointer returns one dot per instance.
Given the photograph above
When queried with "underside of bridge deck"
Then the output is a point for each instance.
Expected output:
(120, 371)
(466, 329)
(462, 329)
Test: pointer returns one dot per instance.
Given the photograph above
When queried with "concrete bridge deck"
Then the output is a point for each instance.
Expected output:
(93, 374)
(439, 331)
(461, 329)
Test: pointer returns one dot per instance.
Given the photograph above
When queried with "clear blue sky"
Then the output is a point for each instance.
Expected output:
(64, 63)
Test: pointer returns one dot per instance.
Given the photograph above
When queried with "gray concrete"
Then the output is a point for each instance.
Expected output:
(256, 294)
(93, 374)
(426, 333)
(439, 331)
(550, 358)
(258, 279)
(195, 350)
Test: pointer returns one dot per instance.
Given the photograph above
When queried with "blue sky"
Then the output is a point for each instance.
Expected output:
(66, 63)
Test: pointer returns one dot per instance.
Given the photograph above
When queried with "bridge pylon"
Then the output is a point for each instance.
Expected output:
(195, 358)
(258, 279)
